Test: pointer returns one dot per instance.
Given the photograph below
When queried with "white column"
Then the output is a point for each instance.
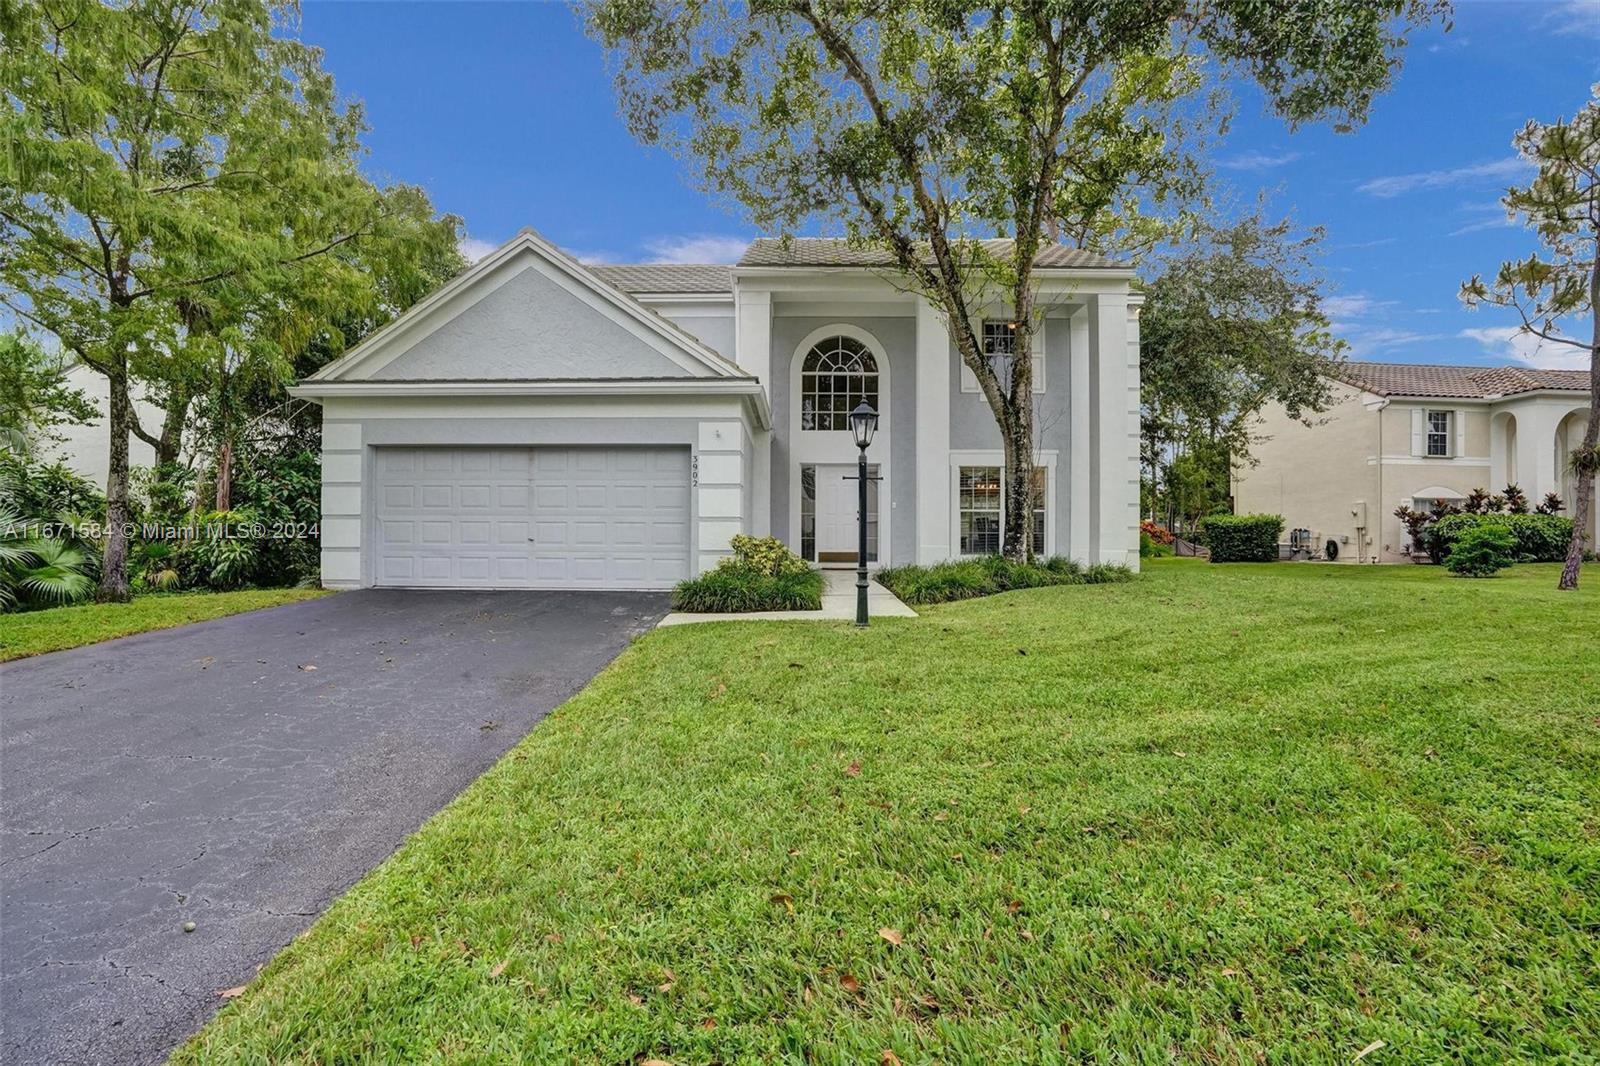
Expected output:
(1536, 451)
(753, 334)
(761, 485)
(933, 435)
(342, 461)
(1115, 455)
(1079, 479)
(719, 480)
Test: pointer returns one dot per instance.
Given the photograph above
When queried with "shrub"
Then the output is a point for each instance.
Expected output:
(965, 579)
(731, 589)
(1157, 534)
(1536, 538)
(1482, 551)
(765, 555)
(1243, 538)
(1151, 548)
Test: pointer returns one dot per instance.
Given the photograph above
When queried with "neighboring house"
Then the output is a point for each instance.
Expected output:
(538, 423)
(1416, 436)
(86, 449)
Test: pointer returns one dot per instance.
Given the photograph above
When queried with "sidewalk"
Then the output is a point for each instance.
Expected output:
(838, 602)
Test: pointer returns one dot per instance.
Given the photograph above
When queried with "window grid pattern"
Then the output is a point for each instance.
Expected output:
(982, 512)
(838, 374)
(1438, 433)
(808, 513)
(999, 345)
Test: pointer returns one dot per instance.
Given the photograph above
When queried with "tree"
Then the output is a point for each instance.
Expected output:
(1562, 206)
(167, 169)
(918, 127)
(1229, 326)
(34, 394)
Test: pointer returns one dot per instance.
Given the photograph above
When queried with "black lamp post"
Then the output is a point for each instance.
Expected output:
(863, 424)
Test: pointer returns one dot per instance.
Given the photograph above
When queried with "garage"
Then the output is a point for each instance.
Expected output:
(588, 517)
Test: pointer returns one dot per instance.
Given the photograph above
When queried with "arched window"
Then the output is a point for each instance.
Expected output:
(838, 373)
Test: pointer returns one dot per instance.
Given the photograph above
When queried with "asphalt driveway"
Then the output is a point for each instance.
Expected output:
(240, 774)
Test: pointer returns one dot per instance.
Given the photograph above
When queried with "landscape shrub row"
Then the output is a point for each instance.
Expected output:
(964, 579)
(1535, 538)
(762, 574)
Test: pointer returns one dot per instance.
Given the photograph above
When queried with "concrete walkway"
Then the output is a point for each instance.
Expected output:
(838, 602)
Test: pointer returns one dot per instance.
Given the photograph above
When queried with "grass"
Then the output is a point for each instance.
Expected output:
(1219, 814)
(36, 632)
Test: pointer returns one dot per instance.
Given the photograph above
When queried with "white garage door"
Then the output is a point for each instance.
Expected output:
(532, 518)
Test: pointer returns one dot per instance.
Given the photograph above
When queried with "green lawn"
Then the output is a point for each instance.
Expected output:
(1220, 814)
(36, 632)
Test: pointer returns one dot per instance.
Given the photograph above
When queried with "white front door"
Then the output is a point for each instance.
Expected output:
(837, 529)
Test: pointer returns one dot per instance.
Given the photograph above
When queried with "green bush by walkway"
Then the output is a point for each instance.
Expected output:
(964, 579)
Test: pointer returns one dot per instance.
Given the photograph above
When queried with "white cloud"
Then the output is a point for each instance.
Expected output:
(1399, 184)
(1380, 242)
(1488, 223)
(1512, 342)
(595, 257)
(1353, 306)
(696, 248)
(1580, 17)
(1257, 160)
(475, 248)
(1372, 341)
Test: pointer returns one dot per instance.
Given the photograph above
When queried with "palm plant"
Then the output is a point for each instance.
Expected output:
(56, 575)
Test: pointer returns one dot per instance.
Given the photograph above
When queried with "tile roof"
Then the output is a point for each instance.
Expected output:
(667, 277)
(835, 251)
(1456, 382)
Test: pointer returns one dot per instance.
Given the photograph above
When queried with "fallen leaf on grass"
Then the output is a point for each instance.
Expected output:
(554, 938)
(854, 769)
(1014, 906)
(655, 1062)
(416, 939)
(783, 898)
(849, 983)
(498, 968)
(1227, 971)
(666, 986)
(891, 935)
(719, 691)
(889, 1059)
(1026, 935)
(231, 993)
(1369, 1049)
(709, 1023)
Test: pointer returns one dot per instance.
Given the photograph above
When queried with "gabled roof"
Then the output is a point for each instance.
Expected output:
(418, 322)
(838, 252)
(688, 278)
(1440, 381)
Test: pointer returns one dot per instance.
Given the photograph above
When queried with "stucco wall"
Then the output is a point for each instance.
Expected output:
(897, 336)
(85, 449)
(716, 330)
(972, 424)
(530, 327)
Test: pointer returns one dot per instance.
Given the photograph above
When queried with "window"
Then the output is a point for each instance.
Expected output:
(981, 509)
(837, 374)
(808, 513)
(1438, 433)
(999, 342)
(1041, 487)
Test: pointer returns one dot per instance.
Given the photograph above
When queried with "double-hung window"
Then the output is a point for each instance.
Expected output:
(1438, 433)
(999, 346)
(981, 509)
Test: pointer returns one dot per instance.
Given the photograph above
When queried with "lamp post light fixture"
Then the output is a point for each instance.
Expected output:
(863, 424)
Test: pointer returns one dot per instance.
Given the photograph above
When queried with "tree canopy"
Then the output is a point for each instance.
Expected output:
(919, 126)
(1561, 205)
(177, 183)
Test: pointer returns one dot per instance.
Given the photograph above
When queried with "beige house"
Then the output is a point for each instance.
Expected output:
(1401, 434)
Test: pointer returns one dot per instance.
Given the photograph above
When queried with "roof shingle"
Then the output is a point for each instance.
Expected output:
(1456, 382)
(667, 277)
(837, 252)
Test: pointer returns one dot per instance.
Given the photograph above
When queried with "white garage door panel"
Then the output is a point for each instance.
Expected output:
(610, 517)
(531, 518)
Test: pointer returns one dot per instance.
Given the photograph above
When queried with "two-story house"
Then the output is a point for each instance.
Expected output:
(540, 423)
(1409, 435)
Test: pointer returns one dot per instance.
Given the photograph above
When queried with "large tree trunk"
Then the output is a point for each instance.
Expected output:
(1585, 462)
(114, 566)
(225, 476)
(169, 446)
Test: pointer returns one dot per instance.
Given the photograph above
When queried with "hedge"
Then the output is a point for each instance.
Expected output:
(1537, 538)
(1243, 538)
(731, 589)
(965, 579)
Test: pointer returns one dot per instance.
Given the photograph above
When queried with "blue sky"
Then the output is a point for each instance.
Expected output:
(505, 114)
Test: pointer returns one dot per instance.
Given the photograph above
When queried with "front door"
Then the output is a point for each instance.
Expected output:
(837, 531)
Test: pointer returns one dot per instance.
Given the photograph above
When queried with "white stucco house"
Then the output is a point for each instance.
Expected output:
(540, 423)
(1411, 435)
